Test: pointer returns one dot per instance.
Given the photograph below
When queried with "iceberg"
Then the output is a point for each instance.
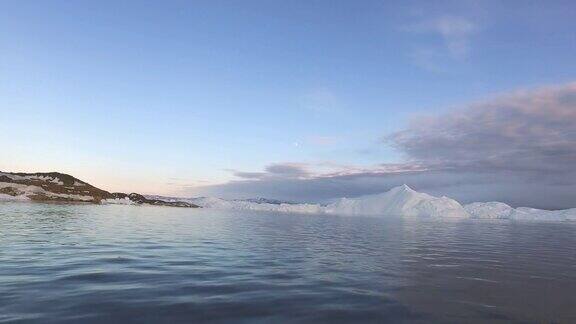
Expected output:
(498, 210)
(399, 201)
(489, 210)
(217, 203)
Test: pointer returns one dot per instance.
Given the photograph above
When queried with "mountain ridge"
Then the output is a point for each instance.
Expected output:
(61, 187)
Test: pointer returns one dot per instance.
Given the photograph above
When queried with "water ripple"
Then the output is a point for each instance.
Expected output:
(123, 264)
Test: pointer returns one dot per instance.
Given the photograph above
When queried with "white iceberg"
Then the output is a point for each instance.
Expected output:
(399, 201)
(498, 210)
(489, 210)
(217, 203)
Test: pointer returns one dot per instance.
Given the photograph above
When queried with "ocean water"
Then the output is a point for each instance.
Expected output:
(128, 264)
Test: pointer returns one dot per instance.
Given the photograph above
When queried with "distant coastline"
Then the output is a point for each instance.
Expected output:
(60, 187)
(400, 201)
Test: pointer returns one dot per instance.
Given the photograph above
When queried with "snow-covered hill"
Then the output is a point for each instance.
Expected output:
(51, 186)
(60, 187)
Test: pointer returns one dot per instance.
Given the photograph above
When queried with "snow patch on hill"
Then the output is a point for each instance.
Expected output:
(51, 179)
(117, 201)
(24, 191)
(5, 197)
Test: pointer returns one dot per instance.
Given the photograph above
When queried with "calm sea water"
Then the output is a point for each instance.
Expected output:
(122, 264)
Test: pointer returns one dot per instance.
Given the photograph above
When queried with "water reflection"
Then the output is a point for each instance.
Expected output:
(84, 263)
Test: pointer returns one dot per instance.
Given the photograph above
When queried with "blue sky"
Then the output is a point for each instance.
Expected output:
(169, 96)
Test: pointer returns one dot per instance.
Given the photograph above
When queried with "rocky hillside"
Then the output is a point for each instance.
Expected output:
(59, 187)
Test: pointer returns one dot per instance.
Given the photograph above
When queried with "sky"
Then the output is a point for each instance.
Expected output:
(297, 100)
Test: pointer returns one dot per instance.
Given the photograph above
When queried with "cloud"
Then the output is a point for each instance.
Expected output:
(288, 170)
(276, 171)
(526, 131)
(249, 175)
(451, 41)
(323, 170)
(519, 148)
(455, 32)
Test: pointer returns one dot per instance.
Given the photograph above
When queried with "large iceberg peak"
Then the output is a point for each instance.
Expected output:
(403, 192)
(406, 187)
(402, 189)
(399, 201)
